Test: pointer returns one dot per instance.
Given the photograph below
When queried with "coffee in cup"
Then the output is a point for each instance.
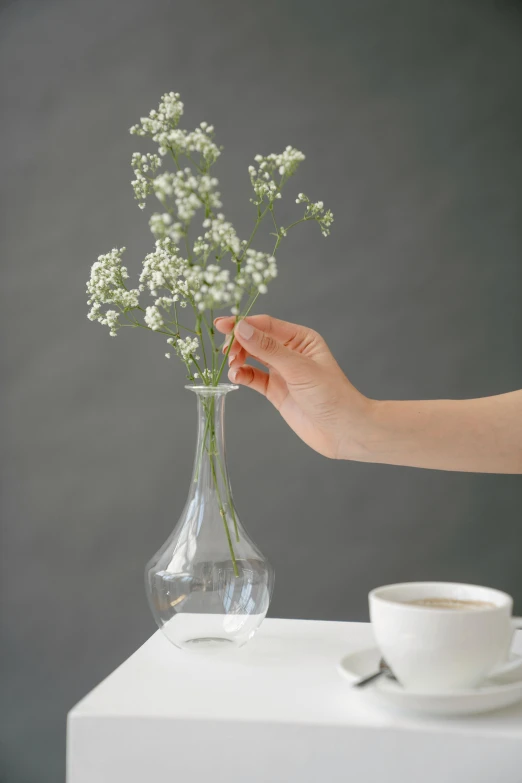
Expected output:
(450, 603)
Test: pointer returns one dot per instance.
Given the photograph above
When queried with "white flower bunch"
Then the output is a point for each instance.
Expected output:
(141, 165)
(257, 271)
(212, 271)
(316, 211)
(184, 143)
(188, 192)
(186, 348)
(162, 127)
(263, 178)
(221, 236)
(162, 268)
(206, 376)
(162, 227)
(166, 117)
(153, 318)
(106, 286)
(212, 285)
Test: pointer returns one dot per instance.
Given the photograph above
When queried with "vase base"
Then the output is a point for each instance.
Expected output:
(211, 632)
(208, 643)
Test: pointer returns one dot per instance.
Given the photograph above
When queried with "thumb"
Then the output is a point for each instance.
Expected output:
(269, 351)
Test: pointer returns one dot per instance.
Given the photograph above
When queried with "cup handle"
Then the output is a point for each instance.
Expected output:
(514, 666)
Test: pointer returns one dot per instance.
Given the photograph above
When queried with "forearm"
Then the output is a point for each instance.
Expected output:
(481, 435)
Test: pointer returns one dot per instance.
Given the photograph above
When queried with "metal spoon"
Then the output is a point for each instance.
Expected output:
(384, 670)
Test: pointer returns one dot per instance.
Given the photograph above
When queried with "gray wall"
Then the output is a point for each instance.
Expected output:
(410, 115)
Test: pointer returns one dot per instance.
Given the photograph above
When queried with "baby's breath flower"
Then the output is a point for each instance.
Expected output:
(165, 302)
(288, 161)
(162, 227)
(143, 184)
(222, 235)
(186, 348)
(182, 142)
(163, 186)
(162, 127)
(106, 286)
(207, 376)
(199, 277)
(201, 248)
(166, 117)
(153, 318)
(257, 270)
(316, 211)
(263, 179)
(189, 192)
(210, 284)
(163, 268)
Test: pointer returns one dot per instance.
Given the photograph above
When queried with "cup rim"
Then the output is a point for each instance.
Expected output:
(376, 595)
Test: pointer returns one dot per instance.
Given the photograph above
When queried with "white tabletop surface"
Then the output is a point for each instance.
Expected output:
(285, 677)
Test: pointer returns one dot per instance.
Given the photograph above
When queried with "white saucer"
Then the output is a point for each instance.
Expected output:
(492, 695)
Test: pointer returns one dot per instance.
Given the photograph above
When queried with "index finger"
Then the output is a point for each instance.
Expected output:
(284, 331)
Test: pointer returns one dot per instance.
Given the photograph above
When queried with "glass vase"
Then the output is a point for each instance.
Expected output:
(209, 586)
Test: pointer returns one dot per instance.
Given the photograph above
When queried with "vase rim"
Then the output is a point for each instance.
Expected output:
(221, 388)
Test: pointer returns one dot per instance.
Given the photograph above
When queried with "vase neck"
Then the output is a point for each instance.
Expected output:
(210, 468)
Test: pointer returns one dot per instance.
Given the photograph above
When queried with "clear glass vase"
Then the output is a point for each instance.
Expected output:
(209, 586)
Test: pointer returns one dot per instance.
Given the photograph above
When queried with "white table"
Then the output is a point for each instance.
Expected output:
(275, 711)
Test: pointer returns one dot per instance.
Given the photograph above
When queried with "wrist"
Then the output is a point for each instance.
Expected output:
(360, 433)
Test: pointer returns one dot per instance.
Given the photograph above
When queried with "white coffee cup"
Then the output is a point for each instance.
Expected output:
(440, 649)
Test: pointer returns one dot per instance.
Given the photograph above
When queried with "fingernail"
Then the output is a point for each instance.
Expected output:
(245, 330)
(226, 344)
(232, 374)
(232, 356)
(219, 318)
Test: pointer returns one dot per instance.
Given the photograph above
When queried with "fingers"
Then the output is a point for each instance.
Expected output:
(268, 350)
(270, 385)
(287, 333)
(235, 345)
(250, 376)
(225, 323)
(237, 355)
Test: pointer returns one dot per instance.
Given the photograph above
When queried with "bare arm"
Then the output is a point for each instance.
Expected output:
(311, 392)
(482, 435)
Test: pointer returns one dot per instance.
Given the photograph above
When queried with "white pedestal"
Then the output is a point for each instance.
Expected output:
(275, 711)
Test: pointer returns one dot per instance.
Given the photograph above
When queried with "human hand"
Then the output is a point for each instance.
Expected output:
(303, 382)
(313, 395)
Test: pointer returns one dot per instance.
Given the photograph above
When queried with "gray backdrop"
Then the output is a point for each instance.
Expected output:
(410, 115)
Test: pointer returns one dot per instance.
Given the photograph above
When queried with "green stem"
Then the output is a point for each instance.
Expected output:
(250, 306)
(220, 502)
(180, 326)
(187, 246)
(210, 330)
(227, 353)
(159, 331)
(252, 235)
(200, 455)
(296, 223)
(274, 221)
(198, 368)
(176, 315)
(189, 157)
(200, 335)
(225, 523)
(254, 300)
(229, 495)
